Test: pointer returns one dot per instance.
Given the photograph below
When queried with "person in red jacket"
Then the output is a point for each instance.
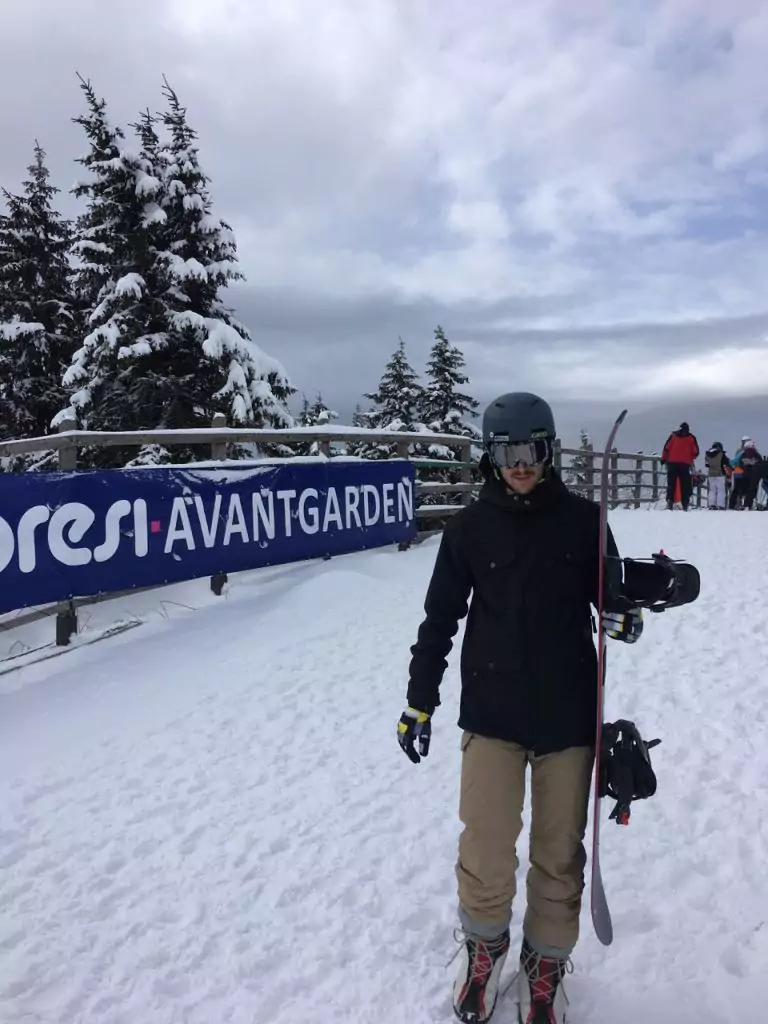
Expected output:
(679, 454)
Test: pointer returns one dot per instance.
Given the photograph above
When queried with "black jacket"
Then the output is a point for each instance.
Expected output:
(717, 462)
(528, 661)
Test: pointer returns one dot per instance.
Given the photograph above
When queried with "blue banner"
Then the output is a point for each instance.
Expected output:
(80, 534)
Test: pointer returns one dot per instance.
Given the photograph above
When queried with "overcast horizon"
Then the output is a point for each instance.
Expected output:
(574, 192)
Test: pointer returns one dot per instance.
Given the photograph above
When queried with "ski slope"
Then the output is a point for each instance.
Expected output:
(207, 820)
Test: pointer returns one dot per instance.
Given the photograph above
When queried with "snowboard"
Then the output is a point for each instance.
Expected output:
(601, 914)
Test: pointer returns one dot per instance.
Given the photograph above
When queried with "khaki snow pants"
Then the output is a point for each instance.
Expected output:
(491, 808)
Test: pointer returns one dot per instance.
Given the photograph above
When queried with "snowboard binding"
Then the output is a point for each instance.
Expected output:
(659, 582)
(626, 773)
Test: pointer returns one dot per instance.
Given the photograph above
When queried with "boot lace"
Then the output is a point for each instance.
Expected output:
(482, 953)
(545, 973)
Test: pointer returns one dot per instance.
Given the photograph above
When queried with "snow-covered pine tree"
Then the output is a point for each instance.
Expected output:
(321, 414)
(119, 280)
(359, 419)
(162, 351)
(315, 415)
(304, 420)
(444, 406)
(212, 363)
(580, 472)
(444, 410)
(36, 314)
(396, 404)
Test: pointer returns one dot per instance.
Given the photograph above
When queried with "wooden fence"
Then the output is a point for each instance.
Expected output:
(635, 479)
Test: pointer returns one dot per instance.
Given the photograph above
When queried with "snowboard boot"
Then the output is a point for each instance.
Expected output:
(541, 996)
(477, 983)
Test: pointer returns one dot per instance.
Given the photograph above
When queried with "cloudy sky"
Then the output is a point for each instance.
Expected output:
(576, 191)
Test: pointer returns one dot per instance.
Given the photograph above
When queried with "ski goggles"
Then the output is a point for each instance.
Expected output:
(509, 454)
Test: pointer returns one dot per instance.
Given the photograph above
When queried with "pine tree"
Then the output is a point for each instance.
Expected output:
(118, 278)
(359, 419)
(396, 403)
(443, 405)
(316, 415)
(162, 351)
(36, 310)
(444, 409)
(580, 472)
(304, 416)
(212, 363)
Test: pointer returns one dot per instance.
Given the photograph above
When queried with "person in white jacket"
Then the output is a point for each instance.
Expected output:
(718, 468)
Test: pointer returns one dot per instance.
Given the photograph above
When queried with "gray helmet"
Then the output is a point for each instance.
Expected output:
(518, 416)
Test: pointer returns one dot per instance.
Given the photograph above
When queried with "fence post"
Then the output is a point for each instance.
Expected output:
(68, 455)
(66, 615)
(465, 475)
(403, 449)
(639, 480)
(557, 456)
(219, 448)
(589, 469)
(218, 454)
(218, 582)
(655, 493)
(66, 623)
(614, 477)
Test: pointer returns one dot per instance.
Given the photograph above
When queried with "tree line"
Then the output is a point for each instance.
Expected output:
(116, 320)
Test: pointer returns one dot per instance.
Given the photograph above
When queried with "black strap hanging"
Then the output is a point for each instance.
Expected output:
(626, 773)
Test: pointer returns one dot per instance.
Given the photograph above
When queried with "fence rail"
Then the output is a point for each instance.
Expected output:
(635, 478)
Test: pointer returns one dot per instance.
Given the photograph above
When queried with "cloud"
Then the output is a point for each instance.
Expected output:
(575, 191)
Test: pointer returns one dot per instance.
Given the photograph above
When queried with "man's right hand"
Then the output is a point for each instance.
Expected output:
(414, 729)
(626, 626)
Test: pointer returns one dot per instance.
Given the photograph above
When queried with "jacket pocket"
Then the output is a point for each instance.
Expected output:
(492, 572)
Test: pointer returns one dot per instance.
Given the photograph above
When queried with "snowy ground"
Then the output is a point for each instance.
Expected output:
(208, 819)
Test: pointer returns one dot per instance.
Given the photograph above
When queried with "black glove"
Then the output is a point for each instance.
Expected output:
(414, 726)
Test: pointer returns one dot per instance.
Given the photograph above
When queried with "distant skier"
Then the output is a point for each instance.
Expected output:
(718, 472)
(737, 476)
(527, 553)
(747, 472)
(678, 455)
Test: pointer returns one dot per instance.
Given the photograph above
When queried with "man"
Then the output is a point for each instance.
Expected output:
(678, 455)
(527, 552)
(748, 470)
(718, 471)
(737, 476)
